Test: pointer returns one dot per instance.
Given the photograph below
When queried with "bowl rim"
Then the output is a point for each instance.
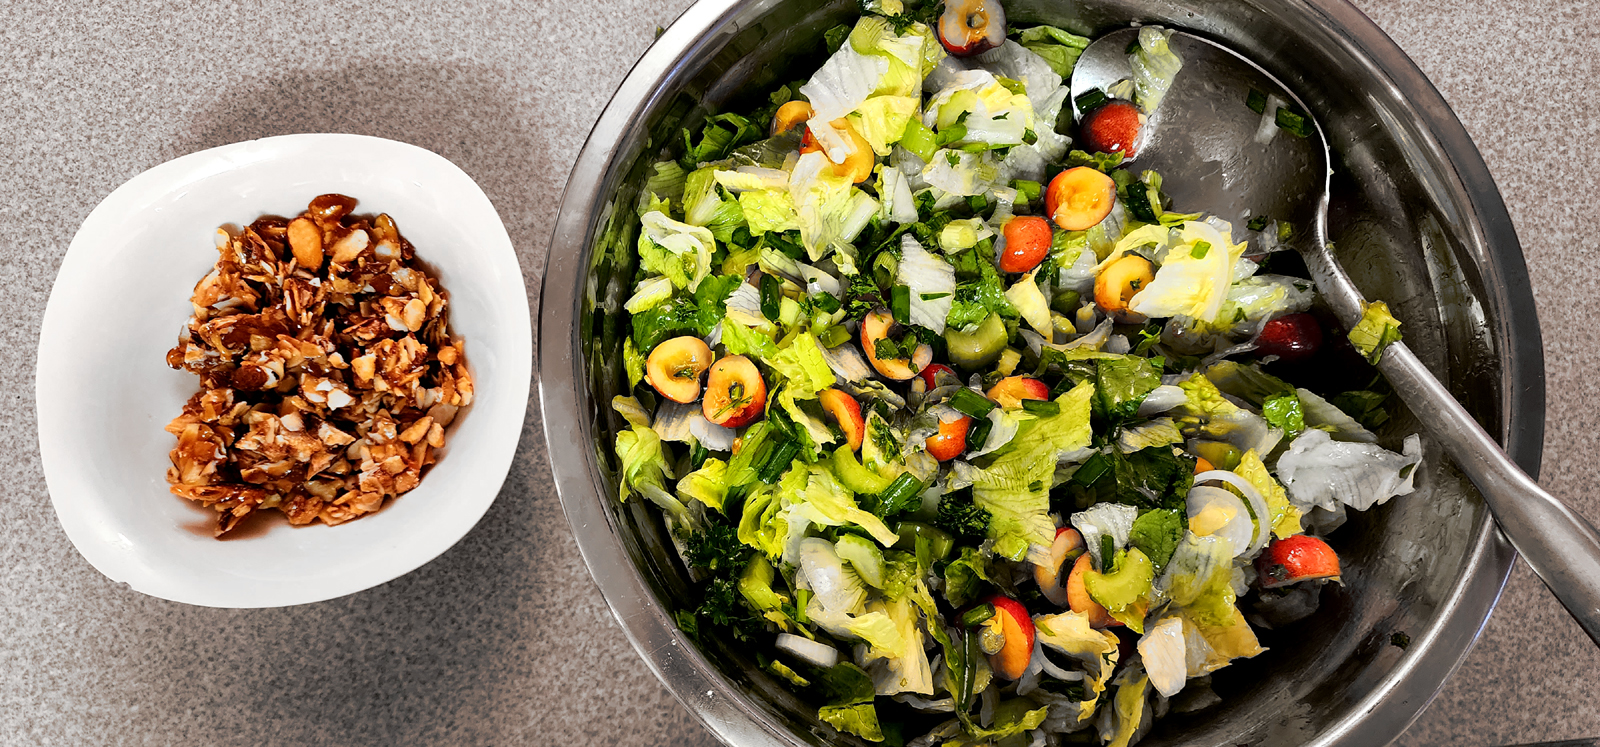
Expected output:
(182, 173)
(1378, 718)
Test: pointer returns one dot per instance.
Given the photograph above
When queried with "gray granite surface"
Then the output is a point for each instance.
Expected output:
(504, 639)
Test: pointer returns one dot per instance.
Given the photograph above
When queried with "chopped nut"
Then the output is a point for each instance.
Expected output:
(325, 387)
(305, 238)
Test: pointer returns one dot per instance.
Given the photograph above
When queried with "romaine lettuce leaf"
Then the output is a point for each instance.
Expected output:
(1121, 384)
(804, 368)
(974, 300)
(1199, 579)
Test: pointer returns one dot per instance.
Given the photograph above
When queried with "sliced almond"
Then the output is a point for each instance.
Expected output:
(350, 246)
(305, 238)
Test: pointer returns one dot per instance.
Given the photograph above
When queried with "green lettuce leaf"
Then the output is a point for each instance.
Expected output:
(965, 576)
(803, 366)
(1376, 330)
(677, 250)
(768, 210)
(703, 205)
(976, 299)
(1122, 383)
(1157, 533)
(707, 484)
(1058, 48)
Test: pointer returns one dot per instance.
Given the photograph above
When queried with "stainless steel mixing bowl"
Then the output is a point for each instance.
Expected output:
(1416, 218)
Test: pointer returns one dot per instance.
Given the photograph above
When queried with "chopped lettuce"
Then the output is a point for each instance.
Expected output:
(1030, 302)
(1282, 516)
(1129, 715)
(1121, 384)
(974, 300)
(964, 576)
(849, 709)
(1155, 66)
(703, 206)
(1322, 473)
(931, 281)
(1156, 533)
(1376, 330)
(1058, 48)
(1199, 579)
(677, 250)
(1194, 278)
(767, 210)
(803, 366)
(707, 484)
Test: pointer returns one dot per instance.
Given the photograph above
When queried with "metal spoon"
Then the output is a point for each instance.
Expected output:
(1226, 172)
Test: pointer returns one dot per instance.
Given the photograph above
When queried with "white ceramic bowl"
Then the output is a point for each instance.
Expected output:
(104, 391)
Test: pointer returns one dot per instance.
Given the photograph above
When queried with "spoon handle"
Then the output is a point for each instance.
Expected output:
(1562, 547)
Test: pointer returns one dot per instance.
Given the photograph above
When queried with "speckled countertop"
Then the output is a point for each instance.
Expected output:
(504, 639)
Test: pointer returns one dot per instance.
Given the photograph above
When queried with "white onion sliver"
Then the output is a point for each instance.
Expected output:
(712, 436)
(1257, 502)
(820, 654)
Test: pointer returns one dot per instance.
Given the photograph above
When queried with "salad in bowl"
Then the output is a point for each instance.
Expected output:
(956, 421)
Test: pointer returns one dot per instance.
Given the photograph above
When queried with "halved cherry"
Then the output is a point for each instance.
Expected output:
(1079, 600)
(1294, 338)
(857, 164)
(1028, 240)
(972, 27)
(951, 439)
(735, 393)
(1051, 581)
(1079, 198)
(674, 367)
(875, 328)
(1119, 282)
(930, 375)
(1013, 657)
(1294, 559)
(790, 115)
(1111, 127)
(843, 409)
(1010, 391)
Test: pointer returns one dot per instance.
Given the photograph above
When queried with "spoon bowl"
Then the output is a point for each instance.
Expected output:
(1234, 166)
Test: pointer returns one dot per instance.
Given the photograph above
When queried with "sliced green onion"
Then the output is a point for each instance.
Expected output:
(1041, 406)
(697, 454)
(771, 297)
(1108, 547)
(951, 134)
(777, 461)
(1294, 124)
(977, 615)
(971, 403)
(1200, 250)
(939, 542)
(1258, 223)
(903, 489)
(1090, 99)
(1092, 470)
(1257, 101)
(1026, 191)
(978, 434)
(900, 303)
(977, 203)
